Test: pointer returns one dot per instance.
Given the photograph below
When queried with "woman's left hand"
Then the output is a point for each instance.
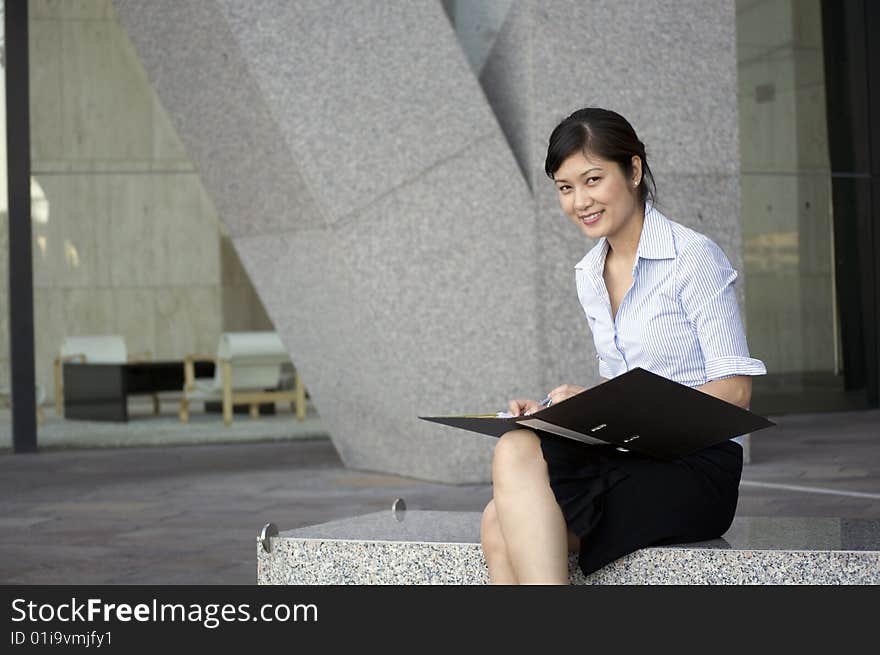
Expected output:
(564, 391)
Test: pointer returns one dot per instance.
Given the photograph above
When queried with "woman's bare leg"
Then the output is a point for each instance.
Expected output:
(495, 548)
(531, 521)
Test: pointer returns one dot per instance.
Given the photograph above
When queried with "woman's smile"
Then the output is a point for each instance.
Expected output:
(592, 217)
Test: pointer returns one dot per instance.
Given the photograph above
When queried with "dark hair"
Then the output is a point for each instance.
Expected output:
(606, 134)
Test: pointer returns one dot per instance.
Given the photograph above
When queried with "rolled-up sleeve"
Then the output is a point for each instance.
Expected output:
(704, 281)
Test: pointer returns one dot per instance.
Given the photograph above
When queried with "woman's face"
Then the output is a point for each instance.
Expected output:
(596, 195)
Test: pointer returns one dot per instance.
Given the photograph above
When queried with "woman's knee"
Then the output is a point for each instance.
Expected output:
(516, 450)
(491, 537)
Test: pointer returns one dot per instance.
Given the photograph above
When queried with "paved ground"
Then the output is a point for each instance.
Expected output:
(147, 429)
(191, 514)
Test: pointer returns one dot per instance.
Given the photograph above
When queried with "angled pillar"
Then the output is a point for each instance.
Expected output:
(375, 204)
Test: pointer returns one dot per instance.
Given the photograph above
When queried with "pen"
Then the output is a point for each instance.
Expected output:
(543, 405)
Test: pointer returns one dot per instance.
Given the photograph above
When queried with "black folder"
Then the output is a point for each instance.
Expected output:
(639, 411)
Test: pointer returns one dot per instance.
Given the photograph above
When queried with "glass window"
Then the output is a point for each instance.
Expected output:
(132, 269)
(792, 216)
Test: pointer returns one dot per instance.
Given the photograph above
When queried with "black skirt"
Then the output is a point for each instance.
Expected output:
(618, 502)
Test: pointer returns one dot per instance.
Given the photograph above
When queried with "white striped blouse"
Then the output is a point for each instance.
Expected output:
(680, 318)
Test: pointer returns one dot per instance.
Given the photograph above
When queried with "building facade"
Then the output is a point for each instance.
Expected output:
(372, 175)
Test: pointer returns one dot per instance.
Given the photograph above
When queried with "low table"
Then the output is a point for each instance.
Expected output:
(99, 392)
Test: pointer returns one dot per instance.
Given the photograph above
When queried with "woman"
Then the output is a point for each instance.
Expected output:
(656, 295)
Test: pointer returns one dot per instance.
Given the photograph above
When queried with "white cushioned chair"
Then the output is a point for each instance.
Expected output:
(247, 370)
(94, 349)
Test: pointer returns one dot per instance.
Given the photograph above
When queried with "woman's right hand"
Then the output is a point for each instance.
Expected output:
(520, 407)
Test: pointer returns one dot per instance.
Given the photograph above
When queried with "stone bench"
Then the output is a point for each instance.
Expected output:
(434, 547)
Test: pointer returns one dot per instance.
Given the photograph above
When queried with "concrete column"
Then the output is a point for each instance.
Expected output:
(374, 203)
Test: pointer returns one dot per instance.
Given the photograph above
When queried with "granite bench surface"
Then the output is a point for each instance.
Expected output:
(434, 547)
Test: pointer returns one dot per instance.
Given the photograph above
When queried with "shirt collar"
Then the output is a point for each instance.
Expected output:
(655, 242)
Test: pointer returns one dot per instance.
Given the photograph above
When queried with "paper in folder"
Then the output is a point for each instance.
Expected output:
(638, 411)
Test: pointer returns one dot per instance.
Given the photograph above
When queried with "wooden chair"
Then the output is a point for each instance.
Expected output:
(39, 398)
(247, 370)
